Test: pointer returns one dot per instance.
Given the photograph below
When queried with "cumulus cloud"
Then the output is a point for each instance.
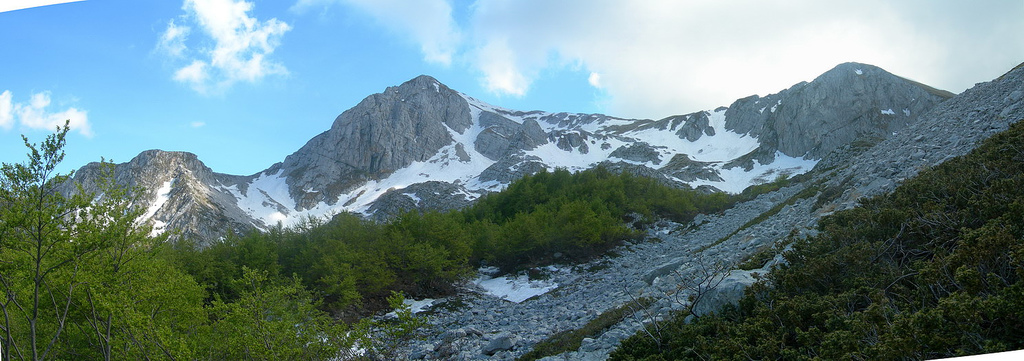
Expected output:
(428, 23)
(240, 50)
(172, 41)
(657, 58)
(37, 115)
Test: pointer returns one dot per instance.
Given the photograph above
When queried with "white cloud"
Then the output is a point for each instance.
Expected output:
(429, 22)
(502, 74)
(36, 115)
(6, 110)
(173, 39)
(654, 58)
(194, 74)
(240, 47)
(658, 58)
(197, 124)
(595, 80)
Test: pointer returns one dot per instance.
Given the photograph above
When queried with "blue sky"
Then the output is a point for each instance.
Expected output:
(245, 83)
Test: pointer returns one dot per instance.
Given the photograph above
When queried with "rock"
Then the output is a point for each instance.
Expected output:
(502, 136)
(682, 167)
(432, 195)
(848, 102)
(695, 126)
(729, 291)
(383, 133)
(502, 342)
(637, 152)
(191, 203)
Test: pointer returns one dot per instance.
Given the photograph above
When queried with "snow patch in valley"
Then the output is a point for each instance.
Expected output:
(515, 289)
(888, 112)
(415, 306)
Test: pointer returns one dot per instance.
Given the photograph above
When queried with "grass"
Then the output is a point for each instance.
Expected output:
(571, 340)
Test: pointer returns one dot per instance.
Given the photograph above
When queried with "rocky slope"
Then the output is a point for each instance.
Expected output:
(422, 145)
(677, 254)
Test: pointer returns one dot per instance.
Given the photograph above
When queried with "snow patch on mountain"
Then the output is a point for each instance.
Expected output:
(737, 179)
(162, 196)
(266, 199)
(572, 160)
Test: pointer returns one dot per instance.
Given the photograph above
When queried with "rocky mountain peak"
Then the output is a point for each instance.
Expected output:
(383, 133)
(849, 102)
(179, 194)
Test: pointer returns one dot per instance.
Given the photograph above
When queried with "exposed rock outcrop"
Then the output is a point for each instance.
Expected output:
(846, 103)
(383, 133)
(179, 194)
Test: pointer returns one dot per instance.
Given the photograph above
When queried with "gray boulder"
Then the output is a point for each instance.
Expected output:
(502, 342)
(637, 152)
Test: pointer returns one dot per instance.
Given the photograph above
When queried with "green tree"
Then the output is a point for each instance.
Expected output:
(41, 252)
(273, 322)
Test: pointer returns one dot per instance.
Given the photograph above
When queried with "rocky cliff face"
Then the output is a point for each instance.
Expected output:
(383, 133)
(422, 145)
(179, 194)
(846, 103)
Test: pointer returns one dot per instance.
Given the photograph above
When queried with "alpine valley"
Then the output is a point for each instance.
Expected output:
(853, 133)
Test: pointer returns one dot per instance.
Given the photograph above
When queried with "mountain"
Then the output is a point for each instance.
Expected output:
(422, 145)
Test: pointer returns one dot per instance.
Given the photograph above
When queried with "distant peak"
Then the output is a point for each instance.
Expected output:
(165, 153)
(422, 80)
(845, 69)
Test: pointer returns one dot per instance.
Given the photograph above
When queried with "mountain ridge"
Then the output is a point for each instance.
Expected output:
(445, 149)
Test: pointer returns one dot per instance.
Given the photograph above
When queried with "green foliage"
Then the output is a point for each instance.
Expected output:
(571, 340)
(380, 339)
(83, 279)
(80, 278)
(354, 264)
(576, 215)
(932, 270)
(272, 322)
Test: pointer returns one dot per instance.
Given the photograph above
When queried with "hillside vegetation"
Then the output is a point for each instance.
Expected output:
(548, 217)
(82, 278)
(932, 270)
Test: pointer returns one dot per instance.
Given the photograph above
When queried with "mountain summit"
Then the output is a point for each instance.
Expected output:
(422, 145)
